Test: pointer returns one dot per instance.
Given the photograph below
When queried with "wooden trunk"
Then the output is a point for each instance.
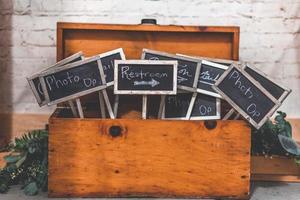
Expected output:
(89, 158)
(128, 156)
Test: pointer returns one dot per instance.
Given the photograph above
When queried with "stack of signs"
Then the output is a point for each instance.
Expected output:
(194, 75)
(144, 77)
(75, 78)
(251, 93)
(201, 83)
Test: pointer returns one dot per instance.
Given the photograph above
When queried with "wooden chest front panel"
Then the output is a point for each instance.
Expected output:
(150, 158)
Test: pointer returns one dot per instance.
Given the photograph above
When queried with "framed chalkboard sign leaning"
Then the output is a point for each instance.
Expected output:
(278, 91)
(35, 83)
(204, 107)
(176, 106)
(188, 68)
(73, 80)
(210, 72)
(145, 77)
(246, 95)
(107, 61)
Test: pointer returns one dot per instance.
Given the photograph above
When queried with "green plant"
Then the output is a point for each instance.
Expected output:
(265, 140)
(27, 163)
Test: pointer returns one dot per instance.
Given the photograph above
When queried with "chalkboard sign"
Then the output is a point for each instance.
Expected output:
(107, 60)
(188, 68)
(73, 80)
(209, 73)
(214, 60)
(35, 83)
(277, 91)
(248, 97)
(176, 106)
(145, 77)
(205, 107)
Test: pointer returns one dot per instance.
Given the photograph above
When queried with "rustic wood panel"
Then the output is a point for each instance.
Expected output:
(274, 169)
(150, 158)
(215, 41)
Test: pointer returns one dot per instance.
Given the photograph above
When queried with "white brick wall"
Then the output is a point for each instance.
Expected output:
(270, 36)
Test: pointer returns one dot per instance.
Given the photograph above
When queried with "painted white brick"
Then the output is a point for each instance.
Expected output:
(46, 7)
(291, 70)
(292, 104)
(21, 6)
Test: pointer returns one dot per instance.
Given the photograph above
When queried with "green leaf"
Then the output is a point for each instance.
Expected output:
(31, 189)
(12, 158)
(21, 160)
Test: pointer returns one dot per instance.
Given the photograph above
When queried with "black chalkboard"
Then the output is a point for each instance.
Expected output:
(76, 80)
(35, 83)
(107, 61)
(247, 97)
(187, 67)
(145, 77)
(274, 89)
(209, 73)
(176, 106)
(206, 107)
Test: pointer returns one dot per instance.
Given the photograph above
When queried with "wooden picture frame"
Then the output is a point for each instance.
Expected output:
(258, 86)
(145, 92)
(177, 57)
(286, 90)
(213, 65)
(109, 53)
(70, 66)
(192, 104)
(36, 75)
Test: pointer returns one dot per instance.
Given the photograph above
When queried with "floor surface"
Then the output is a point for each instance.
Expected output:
(260, 191)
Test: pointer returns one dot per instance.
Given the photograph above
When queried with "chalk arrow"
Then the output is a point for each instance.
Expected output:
(181, 79)
(153, 83)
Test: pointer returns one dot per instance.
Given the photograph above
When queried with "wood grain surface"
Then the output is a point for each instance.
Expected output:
(150, 158)
(275, 168)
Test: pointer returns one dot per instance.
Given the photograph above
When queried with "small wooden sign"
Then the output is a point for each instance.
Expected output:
(246, 95)
(35, 83)
(73, 80)
(176, 106)
(107, 60)
(145, 77)
(188, 68)
(204, 107)
(210, 72)
(278, 91)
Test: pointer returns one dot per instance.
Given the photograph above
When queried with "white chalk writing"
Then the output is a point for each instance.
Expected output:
(129, 74)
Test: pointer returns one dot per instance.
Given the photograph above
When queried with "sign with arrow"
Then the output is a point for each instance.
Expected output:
(145, 77)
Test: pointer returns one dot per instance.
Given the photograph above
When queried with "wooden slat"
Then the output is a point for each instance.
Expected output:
(276, 178)
(150, 158)
(274, 166)
(212, 41)
(144, 27)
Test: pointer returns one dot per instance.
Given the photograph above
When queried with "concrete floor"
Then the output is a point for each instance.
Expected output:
(261, 191)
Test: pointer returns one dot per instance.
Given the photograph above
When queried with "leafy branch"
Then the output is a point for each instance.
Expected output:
(27, 163)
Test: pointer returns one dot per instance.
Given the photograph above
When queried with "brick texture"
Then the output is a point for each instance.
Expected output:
(270, 36)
